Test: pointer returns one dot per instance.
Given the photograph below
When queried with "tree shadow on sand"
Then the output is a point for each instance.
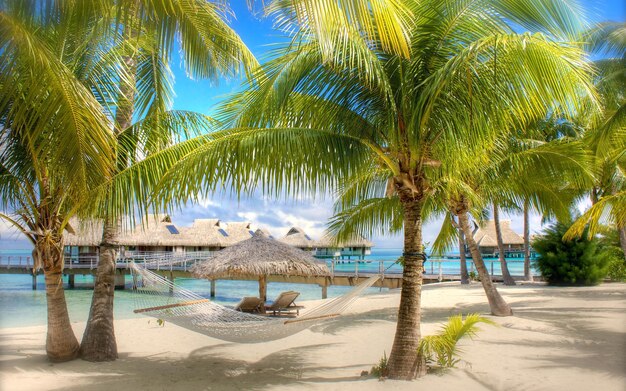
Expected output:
(205, 368)
(583, 345)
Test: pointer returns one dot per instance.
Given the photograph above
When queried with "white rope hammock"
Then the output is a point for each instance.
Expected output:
(160, 298)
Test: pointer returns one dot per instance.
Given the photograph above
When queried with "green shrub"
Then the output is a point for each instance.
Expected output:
(617, 269)
(611, 247)
(575, 262)
(442, 348)
(380, 370)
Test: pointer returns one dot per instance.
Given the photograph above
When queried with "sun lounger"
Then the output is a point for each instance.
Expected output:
(250, 304)
(284, 304)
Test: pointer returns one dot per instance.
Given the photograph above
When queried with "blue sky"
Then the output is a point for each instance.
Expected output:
(278, 216)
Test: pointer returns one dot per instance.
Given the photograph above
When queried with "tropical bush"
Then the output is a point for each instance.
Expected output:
(380, 370)
(580, 261)
(609, 241)
(442, 348)
(617, 269)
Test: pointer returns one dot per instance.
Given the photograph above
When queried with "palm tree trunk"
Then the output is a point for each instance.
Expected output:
(61, 343)
(498, 306)
(528, 276)
(506, 276)
(622, 239)
(464, 274)
(403, 361)
(99, 342)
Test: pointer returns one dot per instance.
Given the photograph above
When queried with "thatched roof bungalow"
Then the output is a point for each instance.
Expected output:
(326, 247)
(296, 237)
(485, 237)
(205, 235)
(160, 234)
(358, 247)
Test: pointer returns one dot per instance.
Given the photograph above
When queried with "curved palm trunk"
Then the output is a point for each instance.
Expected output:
(61, 343)
(464, 274)
(528, 276)
(403, 361)
(506, 276)
(498, 306)
(99, 342)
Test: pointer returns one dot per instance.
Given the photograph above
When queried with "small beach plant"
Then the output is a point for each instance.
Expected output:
(441, 349)
(380, 370)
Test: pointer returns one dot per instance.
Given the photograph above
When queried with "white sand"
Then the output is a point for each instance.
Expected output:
(559, 339)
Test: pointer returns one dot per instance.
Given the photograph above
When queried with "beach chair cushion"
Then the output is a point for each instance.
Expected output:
(285, 304)
(250, 304)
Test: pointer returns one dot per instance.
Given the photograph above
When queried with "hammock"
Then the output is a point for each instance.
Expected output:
(160, 298)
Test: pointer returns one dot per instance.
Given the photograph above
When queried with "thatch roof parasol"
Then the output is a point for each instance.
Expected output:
(260, 257)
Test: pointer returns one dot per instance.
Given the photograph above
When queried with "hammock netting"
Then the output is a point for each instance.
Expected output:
(162, 299)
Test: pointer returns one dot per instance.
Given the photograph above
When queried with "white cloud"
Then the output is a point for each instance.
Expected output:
(8, 231)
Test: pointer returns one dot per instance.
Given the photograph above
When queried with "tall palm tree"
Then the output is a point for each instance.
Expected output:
(407, 118)
(506, 275)
(53, 149)
(151, 31)
(550, 170)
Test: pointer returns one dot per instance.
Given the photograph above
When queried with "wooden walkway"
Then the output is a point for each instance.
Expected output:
(343, 273)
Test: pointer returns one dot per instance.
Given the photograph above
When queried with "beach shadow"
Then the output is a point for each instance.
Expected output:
(206, 368)
(585, 293)
(585, 344)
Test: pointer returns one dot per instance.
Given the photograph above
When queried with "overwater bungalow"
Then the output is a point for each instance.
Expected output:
(485, 237)
(160, 235)
(358, 248)
(82, 239)
(296, 237)
(325, 247)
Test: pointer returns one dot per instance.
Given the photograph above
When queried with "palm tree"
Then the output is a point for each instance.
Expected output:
(150, 30)
(367, 110)
(53, 150)
(607, 136)
(548, 169)
(506, 275)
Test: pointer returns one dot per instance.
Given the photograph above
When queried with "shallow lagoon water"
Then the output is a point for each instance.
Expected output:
(21, 306)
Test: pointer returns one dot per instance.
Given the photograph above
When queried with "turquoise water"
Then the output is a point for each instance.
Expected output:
(21, 306)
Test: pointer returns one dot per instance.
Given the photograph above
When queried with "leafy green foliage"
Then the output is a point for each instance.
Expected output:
(609, 241)
(617, 268)
(569, 262)
(380, 370)
(442, 348)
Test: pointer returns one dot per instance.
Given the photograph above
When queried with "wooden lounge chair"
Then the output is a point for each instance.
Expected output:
(284, 304)
(250, 304)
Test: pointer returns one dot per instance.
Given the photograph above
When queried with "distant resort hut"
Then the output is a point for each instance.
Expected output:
(326, 247)
(358, 248)
(205, 235)
(485, 237)
(158, 234)
(238, 231)
(85, 239)
(296, 237)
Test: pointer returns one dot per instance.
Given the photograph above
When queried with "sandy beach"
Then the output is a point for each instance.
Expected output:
(559, 339)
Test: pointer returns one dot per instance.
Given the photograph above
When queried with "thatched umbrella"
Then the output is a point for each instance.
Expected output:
(259, 257)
